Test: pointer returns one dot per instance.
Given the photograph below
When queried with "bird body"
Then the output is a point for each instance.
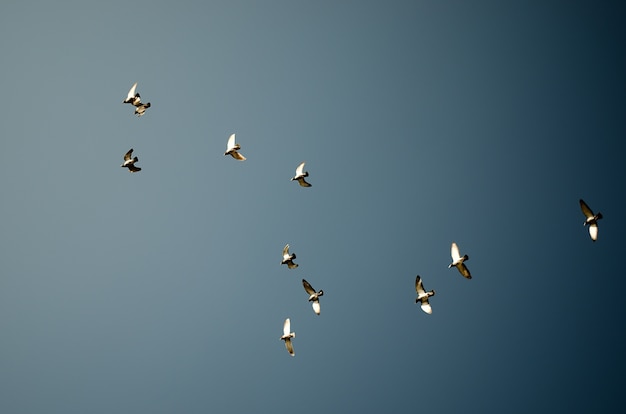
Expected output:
(288, 258)
(458, 261)
(591, 220)
(313, 296)
(232, 148)
(300, 175)
(287, 335)
(423, 295)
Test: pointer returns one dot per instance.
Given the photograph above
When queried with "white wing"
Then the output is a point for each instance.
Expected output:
(593, 231)
(300, 169)
(454, 252)
(231, 142)
(286, 251)
(131, 92)
(426, 308)
(316, 306)
(287, 327)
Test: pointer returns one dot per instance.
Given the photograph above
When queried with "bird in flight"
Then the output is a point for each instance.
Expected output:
(232, 147)
(129, 161)
(591, 220)
(287, 337)
(313, 296)
(300, 175)
(422, 295)
(458, 261)
(288, 258)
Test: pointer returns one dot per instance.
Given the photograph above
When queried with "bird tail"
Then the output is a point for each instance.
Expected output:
(135, 159)
(599, 216)
(293, 335)
(466, 257)
(320, 293)
(148, 105)
(432, 292)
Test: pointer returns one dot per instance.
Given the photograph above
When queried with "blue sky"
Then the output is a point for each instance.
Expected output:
(421, 122)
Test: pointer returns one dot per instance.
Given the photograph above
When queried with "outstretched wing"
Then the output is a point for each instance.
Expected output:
(300, 169)
(585, 208)
(231, 142)
(426, 306)
(454, 252)
(289, 347)
(287, 327)
(128, 155)
(464, 270)
(286, 251)
(307, 286)
(131, 93)
(419, 288)
(316, 307)
(132, 168)
(593, 231)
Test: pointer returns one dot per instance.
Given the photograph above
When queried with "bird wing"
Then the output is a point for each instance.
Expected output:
(231, 142)
(316, 307)
(291, 264)
(464, 270)
(289, 347)
(426, 306)
(593, 231)
(286, 251)
(286, 327)
(237, 156)
(128, 155)
(307, 286)
(132, 168)
(303, 183)
(131, 92)
(300, 169)
(419, 288)
(454, 252)
(585, 208)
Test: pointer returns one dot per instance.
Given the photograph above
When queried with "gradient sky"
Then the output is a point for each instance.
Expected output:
(421, 122)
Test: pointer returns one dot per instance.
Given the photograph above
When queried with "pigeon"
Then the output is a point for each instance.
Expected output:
(231, 149)
(129, 161)
(422, 295)
(133, 98)
(314, 296)
(288, 259)
(287, 337)
(457, 261)
(141, 108)
(300, 174)
(591, 220)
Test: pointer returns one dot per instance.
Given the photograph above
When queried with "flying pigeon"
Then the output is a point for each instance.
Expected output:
(314, 296)
(591, 220)
(232, 147)
(422, 295)
(141, 108)
(129, 161)
(133, 98)
(300, 174)
(288, 259)
(287, 337)
(457, 261)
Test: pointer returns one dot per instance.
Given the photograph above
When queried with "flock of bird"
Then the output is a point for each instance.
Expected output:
(458, 261)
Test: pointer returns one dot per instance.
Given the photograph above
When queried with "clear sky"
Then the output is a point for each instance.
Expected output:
(421, 122)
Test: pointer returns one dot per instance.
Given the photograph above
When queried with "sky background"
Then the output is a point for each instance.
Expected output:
(421, 122)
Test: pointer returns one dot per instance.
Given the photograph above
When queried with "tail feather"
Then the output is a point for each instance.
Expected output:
(466, 257)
